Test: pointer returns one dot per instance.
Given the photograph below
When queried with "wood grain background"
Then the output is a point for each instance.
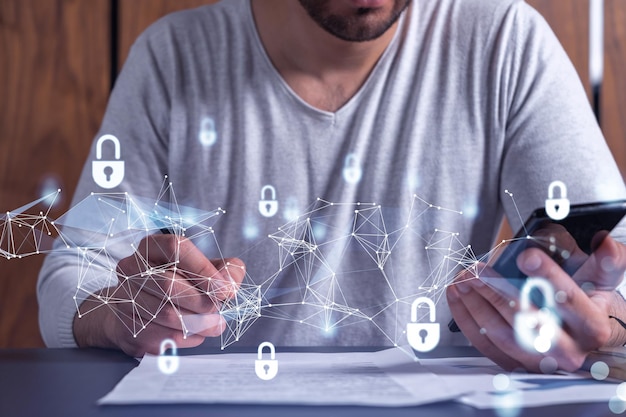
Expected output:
(613, 101)
(54, 84)
(55, 76)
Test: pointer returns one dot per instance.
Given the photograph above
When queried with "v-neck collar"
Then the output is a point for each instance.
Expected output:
(371, 78)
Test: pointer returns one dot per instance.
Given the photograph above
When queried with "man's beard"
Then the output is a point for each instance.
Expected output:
(365, 25)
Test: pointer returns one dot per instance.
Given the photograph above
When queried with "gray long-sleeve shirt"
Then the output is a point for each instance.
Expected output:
(470, 99)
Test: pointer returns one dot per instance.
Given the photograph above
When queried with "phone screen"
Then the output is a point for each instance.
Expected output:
(569, 241)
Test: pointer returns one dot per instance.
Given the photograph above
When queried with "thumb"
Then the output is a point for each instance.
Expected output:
(604, 270)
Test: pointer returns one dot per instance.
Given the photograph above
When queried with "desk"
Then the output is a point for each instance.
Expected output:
(68, 382)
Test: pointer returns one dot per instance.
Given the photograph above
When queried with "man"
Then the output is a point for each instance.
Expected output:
(454, 100)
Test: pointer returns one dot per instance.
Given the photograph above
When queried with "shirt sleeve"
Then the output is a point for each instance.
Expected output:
(138, 116)
(551, 133)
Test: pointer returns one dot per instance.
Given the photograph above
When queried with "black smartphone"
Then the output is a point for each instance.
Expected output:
(569, 241)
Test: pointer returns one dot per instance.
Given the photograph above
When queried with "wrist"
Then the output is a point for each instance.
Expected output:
(92, 324)
(617, 317)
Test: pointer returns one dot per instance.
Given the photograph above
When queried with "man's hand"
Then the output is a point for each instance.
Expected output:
(583, 302)
(157, 292)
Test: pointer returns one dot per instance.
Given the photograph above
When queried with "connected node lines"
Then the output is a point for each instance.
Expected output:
(121, 224)
(318, 253)
(23, 234)
(333, 244)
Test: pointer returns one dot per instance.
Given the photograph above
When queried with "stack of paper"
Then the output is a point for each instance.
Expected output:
(387, 378)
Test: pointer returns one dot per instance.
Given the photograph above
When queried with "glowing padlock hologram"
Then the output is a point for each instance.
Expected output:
(423, 337)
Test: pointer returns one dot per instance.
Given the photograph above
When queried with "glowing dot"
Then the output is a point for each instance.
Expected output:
(617, 405)
(501, 382)
(621, 391)
(599, 370)
(548, 365)
(560, 297)
(542, 344)
(607, 264)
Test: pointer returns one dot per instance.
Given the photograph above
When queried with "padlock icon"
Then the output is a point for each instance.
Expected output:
(352, 171)
(107, 174)
(423, 337)
(291, 211)
(168, 364)
(536, 330)
(208, 133)
(266, 369)
(268, 207)
(557, 208)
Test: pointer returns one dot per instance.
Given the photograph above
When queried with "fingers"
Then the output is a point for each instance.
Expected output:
(476, 332)
(228, 277)
(169, 289)
(605, 268)
(557, 242)
(173, 268)
(145, 310)
(586, 318)
(488, 317)
(491, 330)
(149, 340)
(221, 277)
(166, 288)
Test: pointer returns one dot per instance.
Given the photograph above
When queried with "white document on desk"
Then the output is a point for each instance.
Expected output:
(387, 378)
(523, 390)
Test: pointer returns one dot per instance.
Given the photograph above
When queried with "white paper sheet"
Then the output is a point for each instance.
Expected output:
(387, 378)
(524, 390)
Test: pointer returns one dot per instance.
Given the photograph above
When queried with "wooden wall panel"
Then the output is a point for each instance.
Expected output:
(137, 15)
(54, 79)
(613, 99)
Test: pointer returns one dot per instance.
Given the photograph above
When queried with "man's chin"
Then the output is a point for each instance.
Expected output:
(368, 20)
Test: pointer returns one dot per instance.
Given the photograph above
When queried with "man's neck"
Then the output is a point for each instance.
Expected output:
(323, 70)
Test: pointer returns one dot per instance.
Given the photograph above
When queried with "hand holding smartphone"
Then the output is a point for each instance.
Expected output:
(569, 242)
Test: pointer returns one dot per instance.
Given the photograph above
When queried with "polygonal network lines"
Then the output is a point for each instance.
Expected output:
(323, 255)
